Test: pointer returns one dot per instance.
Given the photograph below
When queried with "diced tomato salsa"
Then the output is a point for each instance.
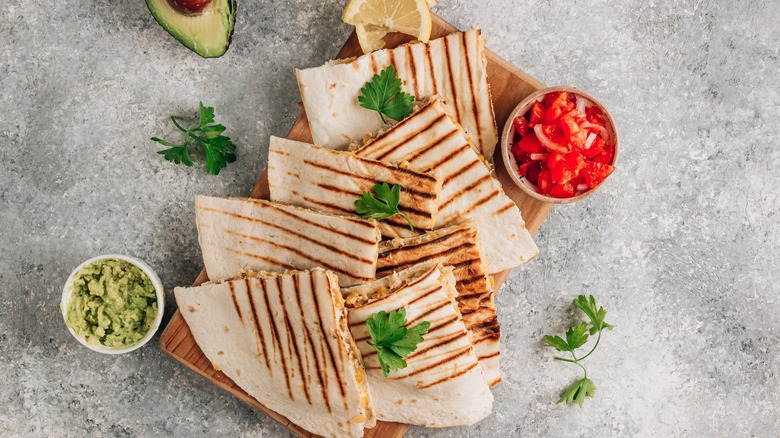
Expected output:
(561, 150)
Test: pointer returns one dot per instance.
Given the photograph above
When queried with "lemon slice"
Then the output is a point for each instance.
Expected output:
(378, 17)
(371, 37)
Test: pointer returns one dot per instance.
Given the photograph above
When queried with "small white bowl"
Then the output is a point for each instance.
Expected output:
(158, 287)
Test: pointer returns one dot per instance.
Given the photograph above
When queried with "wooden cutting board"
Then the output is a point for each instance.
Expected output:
(509, 85)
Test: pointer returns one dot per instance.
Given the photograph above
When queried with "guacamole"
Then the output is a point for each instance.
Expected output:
(113, 303)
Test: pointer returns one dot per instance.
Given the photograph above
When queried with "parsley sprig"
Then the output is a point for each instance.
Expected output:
(383, 94)
(576, 337)
(220, 150)
(382, 204)
(392, 341)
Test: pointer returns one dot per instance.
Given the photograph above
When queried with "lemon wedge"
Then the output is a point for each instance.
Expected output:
(373, 19)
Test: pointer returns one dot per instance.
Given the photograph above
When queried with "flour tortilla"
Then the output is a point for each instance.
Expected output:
(442, 385)
(452, 67)
(457, 246)
(429, 140)
(331, 181)
(238, 234)
(283, 338)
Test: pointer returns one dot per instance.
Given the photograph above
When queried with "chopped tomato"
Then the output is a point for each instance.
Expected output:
(564, 168)
(550, 146)
(569, 125)
(523, 168)
(571, 129)
(533, 172)
(556, 107)
(607, 156)
(557, 139)
(595, 172)
(545, 182)
(563, 190)
(595, 148)
(530, 144)
(521, 126)
(536, 114)
(595, 116)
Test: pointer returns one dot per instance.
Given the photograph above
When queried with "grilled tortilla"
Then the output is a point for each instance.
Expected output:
(237, 234)
(442, 385)
(283, 338)
(429, 140)
(457, 246)
(452, 67)
(331, 181)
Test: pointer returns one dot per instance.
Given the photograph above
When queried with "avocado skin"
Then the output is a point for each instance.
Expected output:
(165, 16)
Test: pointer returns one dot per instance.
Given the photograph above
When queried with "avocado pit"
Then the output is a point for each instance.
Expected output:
(189, 7)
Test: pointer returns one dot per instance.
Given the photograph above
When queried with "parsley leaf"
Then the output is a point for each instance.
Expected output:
(557, 342)
(578, 391)
(383, 94)
(392, 341)
(576, 337)
(382, 204)
(220, 150)
(588, 306)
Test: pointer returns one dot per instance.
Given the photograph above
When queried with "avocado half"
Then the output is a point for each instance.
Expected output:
(204, 26)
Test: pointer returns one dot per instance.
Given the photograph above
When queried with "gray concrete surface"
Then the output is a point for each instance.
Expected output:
(680, 245)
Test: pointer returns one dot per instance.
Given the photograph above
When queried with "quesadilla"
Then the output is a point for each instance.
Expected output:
(442, 384)
(452, 67)
(457, 246)
(283, 338)
(429, 140)
(331, 181)
(238, 234)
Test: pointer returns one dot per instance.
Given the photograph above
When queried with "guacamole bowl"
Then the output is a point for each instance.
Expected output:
(113, 303)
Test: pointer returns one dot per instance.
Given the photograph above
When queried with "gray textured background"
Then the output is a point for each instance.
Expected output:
(680, 245)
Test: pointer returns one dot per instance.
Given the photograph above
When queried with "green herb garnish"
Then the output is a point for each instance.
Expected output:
(576, 337)
(383, 94)
(382, 204)
(392, 340)
(219, 149)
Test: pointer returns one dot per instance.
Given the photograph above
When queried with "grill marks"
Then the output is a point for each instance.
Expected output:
(446, 350)
(306, 256)
(292, 321)
(429, 140)
(456, 246)
(259, 330)
(450, 76)
(261, 235)
(327, 344)
(412, 68)
(474, 111)
(333, 180)
(235, 302)
(323, 380)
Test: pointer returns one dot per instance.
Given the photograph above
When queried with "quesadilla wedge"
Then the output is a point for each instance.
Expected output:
(457, 246)
(429, 140)
(238, 234)
(442, 384)
(283, 338)
(452, 67)
(331, 181)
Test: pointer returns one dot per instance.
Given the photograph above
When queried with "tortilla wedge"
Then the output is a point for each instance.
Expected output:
(442, 384)
(238, 234)
(283, 338)
(457, 246)
(429, 140)
(452, 67)
(331, 181)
